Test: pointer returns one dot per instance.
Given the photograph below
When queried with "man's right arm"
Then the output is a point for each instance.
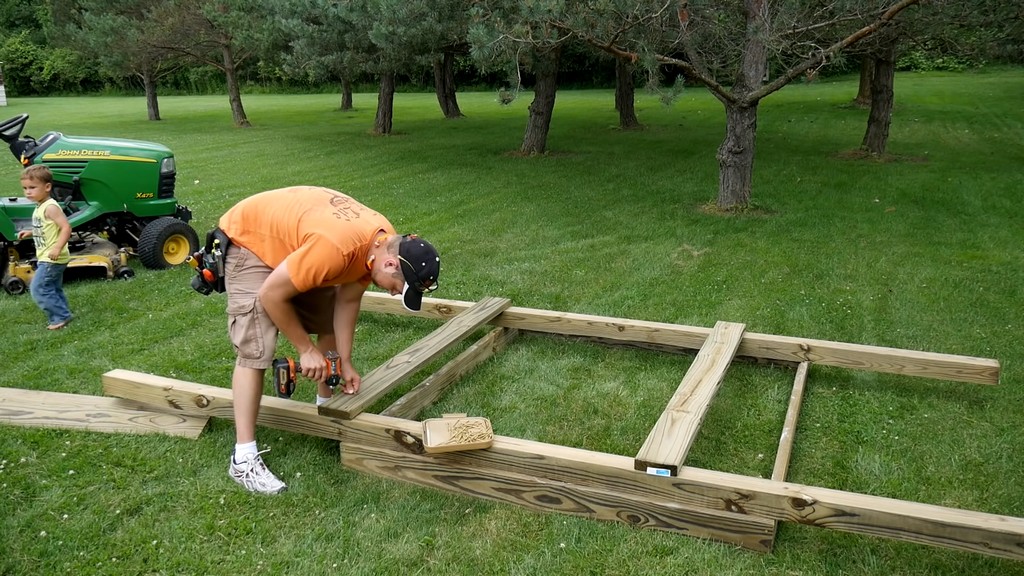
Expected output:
(275, 295)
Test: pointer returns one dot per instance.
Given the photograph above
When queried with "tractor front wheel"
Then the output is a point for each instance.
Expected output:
(166, 242)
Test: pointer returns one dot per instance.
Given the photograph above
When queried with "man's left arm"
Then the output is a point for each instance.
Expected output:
(346, 313)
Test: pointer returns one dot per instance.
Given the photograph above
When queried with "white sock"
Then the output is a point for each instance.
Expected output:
(243, 450)
(320, 399)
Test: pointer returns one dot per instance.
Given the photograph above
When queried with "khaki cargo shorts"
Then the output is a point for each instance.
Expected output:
(252, 333)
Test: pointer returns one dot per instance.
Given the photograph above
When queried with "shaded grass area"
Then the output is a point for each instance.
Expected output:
(920, 253)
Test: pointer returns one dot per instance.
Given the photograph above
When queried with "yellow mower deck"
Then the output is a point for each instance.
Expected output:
(98, 256)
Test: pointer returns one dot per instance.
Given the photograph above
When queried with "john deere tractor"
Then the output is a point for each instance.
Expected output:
(118, 196)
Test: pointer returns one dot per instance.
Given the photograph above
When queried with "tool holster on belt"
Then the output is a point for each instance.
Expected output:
(209, 263)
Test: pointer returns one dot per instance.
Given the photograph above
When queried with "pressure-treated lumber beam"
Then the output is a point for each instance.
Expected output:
(672, 436)
(40, 409)
(693, 488)
(788, 435)
(700, 489)
(754, 345)
(396, 370)
(188, 398)
(429, 390)
(569, 498)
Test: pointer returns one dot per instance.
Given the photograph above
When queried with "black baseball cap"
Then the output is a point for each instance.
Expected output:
(421, 266)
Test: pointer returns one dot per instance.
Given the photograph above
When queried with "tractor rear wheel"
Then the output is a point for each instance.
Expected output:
(166, 242)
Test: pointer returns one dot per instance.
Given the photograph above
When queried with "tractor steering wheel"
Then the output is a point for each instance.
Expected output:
(12, 124)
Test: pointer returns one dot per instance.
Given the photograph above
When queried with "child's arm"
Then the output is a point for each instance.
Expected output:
(57, 215)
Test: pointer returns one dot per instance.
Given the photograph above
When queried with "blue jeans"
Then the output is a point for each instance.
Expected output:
(48, 291)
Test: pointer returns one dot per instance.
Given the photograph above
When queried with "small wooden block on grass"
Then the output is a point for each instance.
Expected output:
(36, 408)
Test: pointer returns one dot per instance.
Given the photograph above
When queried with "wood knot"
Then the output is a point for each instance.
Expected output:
(733, 506)
(801, 502)
(201, 401)
(444, 310)
(407, 441)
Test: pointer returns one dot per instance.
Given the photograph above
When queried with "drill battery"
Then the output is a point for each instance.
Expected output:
(285, 370)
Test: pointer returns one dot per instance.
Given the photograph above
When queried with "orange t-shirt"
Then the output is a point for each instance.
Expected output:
(322, 234)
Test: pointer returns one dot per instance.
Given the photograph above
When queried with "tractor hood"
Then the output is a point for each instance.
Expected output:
(91, 148)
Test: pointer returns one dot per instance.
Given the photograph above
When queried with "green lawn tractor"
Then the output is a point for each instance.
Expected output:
(118, 196)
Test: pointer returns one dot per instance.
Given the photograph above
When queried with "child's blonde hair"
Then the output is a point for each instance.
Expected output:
(39, 173)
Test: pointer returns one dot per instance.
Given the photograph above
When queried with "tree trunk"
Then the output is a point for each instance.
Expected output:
(444, 85)
(385, 104)
(624, 94)
(346, 93)
(736, 153)
(867, 69)
(879, 119)
(234, 94)
(545, 66)
(149, 85)
(736, 156)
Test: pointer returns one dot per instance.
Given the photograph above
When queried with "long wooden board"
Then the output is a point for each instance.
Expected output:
(396, 370)
(754, 345)
(42, 409)
(565, 498)
(670, 440)
(788, 436)
(429, 390)
(940, 526)
(188, 398)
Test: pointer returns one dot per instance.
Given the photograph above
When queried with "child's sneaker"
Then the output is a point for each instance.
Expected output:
(255, 476)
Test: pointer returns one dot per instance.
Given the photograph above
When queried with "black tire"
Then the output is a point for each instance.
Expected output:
(124, 273)
(166, 242)
(15, 286)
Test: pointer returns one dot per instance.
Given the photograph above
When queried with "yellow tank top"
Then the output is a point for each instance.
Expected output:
(45, 232)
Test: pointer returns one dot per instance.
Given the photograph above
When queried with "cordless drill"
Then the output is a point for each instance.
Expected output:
(285, 370)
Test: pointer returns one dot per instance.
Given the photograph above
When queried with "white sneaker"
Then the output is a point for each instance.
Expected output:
(255, 476)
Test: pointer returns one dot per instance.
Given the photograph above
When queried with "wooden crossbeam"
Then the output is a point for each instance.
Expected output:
(711, 490)
(754, 345)
(672, 436)
(40, 409)
(188, 398)
(396, 370)
(788, 435)
(430, 389)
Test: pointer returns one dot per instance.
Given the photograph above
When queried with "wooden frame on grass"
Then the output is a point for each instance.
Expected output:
(655, 489)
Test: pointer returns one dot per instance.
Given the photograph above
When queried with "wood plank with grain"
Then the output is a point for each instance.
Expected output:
(788, 436)
(42, 409)
(430, 389)
(565, 498)
(188, 398)
(979, 532)
(754, 345)
(668, 443)
(396, 370)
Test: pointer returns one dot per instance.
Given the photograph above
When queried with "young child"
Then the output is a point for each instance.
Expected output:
(51, 232)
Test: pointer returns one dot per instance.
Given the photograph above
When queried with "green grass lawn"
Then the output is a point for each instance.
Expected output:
(921, 251)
